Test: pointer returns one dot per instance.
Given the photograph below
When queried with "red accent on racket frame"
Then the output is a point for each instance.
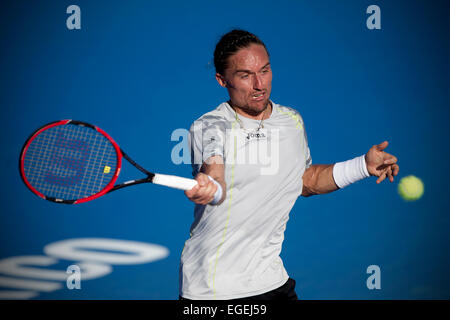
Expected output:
(108, 187)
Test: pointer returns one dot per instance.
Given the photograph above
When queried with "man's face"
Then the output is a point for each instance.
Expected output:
(248, 79)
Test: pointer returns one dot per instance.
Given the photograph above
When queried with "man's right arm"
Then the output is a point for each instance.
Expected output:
(203, 193)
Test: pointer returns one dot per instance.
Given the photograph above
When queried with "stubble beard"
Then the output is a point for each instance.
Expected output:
(251, 110)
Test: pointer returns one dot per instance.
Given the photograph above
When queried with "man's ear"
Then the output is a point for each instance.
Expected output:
(221, 80)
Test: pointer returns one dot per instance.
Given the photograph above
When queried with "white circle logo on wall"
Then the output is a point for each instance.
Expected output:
(25, 278)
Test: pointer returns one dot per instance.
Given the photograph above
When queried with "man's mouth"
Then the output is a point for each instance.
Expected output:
(258, 96)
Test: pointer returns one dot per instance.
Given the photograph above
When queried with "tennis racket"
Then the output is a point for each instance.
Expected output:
(72, 162)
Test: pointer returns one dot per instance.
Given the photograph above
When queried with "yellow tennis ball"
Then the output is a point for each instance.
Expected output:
(410, 188)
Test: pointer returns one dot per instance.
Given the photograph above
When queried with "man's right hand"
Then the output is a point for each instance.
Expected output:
(203, 192)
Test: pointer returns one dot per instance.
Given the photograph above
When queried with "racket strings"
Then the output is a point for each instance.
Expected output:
(70, 162)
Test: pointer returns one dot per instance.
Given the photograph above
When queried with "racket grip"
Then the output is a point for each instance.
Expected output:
(174, 181)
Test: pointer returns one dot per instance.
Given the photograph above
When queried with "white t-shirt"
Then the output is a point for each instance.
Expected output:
(234, 248)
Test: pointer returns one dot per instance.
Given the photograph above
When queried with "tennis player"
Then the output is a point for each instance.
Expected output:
(243, 204)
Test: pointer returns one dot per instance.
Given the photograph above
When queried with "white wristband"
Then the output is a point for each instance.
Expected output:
(350, 171)
(218, 194)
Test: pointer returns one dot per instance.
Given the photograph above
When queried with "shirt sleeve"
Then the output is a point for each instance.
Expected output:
(206, 139)
(306, 150)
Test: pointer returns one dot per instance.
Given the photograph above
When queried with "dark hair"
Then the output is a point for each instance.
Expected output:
(231, 43)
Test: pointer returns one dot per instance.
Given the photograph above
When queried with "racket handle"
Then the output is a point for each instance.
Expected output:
(174, 181)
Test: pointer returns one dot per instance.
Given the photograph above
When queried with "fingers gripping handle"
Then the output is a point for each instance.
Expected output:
(174, 181)
(185, 184)
(218, 194)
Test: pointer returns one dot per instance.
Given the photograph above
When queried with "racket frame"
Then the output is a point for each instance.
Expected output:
(170, 181)
(47, 126)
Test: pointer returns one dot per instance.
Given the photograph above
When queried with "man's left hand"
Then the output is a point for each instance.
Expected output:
(380, 163)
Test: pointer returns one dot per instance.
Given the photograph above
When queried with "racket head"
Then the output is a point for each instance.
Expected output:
(70, 162)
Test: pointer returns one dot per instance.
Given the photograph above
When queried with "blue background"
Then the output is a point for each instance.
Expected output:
(141, 69)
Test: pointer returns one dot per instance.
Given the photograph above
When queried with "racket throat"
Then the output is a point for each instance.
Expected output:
(133, 182)
(145, 180)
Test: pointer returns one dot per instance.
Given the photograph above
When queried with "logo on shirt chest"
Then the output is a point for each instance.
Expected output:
(255, 135)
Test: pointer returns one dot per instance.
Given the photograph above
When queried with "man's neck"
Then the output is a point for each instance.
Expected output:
(265, 114)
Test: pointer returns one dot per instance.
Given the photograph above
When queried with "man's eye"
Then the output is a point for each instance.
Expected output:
(244, 76)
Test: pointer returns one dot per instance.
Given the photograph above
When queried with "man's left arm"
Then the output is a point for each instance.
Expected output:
(325, 178)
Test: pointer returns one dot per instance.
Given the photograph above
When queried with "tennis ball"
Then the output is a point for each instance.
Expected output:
(410, 188)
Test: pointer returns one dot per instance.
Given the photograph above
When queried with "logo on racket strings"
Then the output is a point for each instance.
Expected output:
(72, 157)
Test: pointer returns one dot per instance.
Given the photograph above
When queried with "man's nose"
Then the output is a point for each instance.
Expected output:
(257, 82)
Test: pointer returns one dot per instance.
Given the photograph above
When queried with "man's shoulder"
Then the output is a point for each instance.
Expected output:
(287, 110)
(215, 117)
